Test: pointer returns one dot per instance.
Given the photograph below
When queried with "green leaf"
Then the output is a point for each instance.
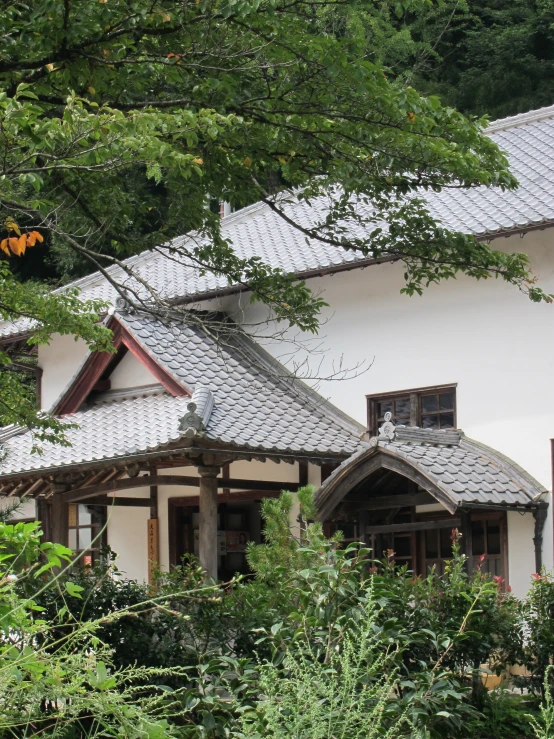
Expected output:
(74, 590)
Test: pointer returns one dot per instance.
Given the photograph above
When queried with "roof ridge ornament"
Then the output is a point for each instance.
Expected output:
(388, 429)
(122, 303)
(199, 408)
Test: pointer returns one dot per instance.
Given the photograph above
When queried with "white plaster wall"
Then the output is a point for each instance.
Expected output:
(26, 510)
(130, 373)
(521, 554)
(60, 360)
(127, 536)
(485, 336)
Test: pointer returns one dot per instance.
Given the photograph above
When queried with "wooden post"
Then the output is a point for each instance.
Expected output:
(207, 544)
(44, 516)
(59, 520)
(153, 548)
(540, 517)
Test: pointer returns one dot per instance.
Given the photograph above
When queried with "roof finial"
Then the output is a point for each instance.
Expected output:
(199, 410)
(388, 429)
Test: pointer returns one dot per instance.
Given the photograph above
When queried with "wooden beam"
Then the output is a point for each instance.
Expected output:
(72, 496)
(106, 500)
(393, 501)
(398, 528)
(237, 497)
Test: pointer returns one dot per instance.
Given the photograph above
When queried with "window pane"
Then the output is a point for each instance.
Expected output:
(402, 409)
(447, 420)
(84, 515)
(403, 546)
(446, 401)
(72, 515)
(72, 539)
(429, 403)
(446, 543)
(430, 422)
(493, 538)
(85, 538)
(478, 538)
(97, 515)
(384, 407)
(431, 545)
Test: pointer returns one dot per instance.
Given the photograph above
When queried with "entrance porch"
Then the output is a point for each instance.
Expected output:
(410, 488)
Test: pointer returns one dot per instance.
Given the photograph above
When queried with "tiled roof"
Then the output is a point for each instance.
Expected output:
(457, 470)
(257, 405)
(528, 140)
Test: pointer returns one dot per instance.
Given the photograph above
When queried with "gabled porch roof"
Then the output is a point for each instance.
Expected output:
(218, 390)
(458, 472)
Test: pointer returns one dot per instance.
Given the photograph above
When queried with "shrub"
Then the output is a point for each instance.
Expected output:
(538, 619)
(344, 692)
(62, 682)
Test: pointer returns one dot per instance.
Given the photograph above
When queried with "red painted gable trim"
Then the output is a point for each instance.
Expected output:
(97, 363)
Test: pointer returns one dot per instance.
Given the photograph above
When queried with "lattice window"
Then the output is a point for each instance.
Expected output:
(85, 537)
(429, 408)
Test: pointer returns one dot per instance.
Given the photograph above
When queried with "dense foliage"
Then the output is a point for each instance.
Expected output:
(316, 609)
(63, 682)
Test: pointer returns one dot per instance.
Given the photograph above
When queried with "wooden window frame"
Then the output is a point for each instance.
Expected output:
(96, 528)
(415, 395)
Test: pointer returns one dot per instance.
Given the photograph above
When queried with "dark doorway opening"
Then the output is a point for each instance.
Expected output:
(238, 523)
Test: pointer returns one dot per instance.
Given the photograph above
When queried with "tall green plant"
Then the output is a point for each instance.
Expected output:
(63, 682)
(346, 695)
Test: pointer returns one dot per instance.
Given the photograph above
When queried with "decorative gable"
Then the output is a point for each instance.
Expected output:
(95, 373)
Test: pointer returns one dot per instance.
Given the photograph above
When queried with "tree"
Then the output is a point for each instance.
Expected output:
(488, 56)
(234, 100)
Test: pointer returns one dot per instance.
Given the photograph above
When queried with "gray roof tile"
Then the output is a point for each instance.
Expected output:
(257, 405)
(528, 141)
(463, 470)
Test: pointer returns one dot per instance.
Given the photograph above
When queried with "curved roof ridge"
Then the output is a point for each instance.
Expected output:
(521, 119)
(460, 474)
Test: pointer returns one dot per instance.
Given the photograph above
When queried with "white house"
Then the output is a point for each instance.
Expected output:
(464, 371)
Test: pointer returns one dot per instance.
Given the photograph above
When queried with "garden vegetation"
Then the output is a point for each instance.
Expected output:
(321, 641)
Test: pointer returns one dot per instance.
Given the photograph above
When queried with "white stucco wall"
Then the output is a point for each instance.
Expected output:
(26, 510)
(521, 556)
(127, 535)
(130, 372)
(60, 360)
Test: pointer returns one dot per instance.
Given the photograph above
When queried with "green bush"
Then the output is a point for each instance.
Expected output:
(538, 619)
(238, 659)
(58, 675)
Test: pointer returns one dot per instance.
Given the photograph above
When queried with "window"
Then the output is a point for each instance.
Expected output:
(85, 524)
(429, 408)
(438, 548)
(488, 547)
(486, 544)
